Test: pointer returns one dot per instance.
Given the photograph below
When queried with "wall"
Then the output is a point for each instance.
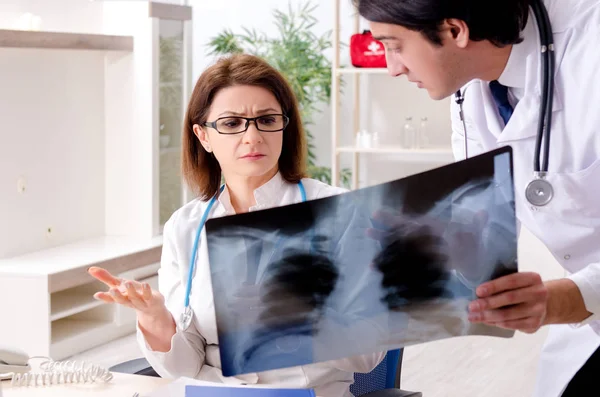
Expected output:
(82, 16)
(386, 100)
(51, 134)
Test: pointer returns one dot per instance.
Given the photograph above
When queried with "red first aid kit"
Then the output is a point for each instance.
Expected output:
(366, 52)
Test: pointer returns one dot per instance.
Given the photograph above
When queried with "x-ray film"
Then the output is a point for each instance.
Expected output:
(367, 271)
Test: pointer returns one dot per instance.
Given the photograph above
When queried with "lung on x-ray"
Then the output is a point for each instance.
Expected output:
(370, 270)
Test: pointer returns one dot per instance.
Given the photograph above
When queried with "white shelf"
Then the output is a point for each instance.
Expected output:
(66, 329)
(353, 70)
(433, 155)
(64, 40)
(71, 336)
(80, 254)
(75, 300)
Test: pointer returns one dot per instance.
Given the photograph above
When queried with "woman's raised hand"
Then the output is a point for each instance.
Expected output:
(130, 293)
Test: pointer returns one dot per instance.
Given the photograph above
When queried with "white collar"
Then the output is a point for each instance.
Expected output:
(514, 74)
(266, 196)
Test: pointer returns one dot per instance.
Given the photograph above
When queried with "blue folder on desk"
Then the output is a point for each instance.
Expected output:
(219, 391)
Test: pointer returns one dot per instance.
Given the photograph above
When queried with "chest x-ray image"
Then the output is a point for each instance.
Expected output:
(370, 270)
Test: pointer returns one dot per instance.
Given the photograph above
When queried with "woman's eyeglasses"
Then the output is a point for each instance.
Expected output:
(237, 124)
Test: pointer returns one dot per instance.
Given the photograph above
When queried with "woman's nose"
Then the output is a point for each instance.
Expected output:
(252, 134)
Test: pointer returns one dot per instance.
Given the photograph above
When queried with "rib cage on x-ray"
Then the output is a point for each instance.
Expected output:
(323, 290)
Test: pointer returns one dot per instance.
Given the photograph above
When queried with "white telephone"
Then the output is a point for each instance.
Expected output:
(14, 364)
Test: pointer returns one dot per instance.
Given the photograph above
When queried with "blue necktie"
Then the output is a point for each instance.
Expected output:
(500, 94)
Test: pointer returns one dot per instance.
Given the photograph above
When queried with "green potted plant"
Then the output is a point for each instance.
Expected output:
(298, 53)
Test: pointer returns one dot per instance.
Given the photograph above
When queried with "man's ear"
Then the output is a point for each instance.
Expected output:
(455, 31)
(202, 137)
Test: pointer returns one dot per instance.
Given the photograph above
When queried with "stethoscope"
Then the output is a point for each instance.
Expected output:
(539, 191)
(187, 315)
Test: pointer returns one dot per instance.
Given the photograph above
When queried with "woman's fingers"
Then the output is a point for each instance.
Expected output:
(134, 297)
(130, 293)
(104, 296)
(104, 276)
(112, 296)
(119, 298)
(146, 292)
(137, 286)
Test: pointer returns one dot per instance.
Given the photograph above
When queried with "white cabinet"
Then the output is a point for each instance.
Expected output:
(47, 296)
(82, 105)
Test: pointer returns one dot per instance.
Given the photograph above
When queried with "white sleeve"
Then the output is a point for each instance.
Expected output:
(187, 353)
(588, 282)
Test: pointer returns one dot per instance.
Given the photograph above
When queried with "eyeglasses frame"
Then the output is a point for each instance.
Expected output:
(213, 124)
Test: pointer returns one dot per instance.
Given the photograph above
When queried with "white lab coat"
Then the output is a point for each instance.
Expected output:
(195, 353)
(570, 225)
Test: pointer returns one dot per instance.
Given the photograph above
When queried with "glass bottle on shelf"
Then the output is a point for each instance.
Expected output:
(375, 140)
(362, 139)
(358, 138)
(408, 134)
(423, 136)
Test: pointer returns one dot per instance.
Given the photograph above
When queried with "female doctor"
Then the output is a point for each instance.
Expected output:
(242, 123)
(498, 59)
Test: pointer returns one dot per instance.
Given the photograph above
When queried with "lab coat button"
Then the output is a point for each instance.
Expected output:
(567, 257)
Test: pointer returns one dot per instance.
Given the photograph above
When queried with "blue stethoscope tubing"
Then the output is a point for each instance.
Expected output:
(187, 313)
(539, 191)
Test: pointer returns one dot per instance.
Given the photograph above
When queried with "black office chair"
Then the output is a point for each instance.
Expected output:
(383, 381)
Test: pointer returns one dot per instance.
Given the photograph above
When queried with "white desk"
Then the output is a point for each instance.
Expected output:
(122, 385)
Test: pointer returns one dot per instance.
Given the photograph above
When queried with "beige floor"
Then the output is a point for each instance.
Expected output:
(457, 367)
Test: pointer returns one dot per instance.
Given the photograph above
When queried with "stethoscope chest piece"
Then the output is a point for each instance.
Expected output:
(539, 192)
(186, 318)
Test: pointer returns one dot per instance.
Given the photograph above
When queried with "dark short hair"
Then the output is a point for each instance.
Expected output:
(201, 169)
(498, 21)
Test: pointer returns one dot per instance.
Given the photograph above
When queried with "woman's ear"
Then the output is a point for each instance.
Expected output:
(202, 137)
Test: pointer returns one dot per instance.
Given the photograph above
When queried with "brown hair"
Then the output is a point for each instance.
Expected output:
(200, 169)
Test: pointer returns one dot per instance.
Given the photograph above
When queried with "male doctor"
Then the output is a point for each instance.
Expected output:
(490, 51)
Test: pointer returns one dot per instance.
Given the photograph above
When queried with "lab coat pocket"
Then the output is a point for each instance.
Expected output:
(577, 195)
